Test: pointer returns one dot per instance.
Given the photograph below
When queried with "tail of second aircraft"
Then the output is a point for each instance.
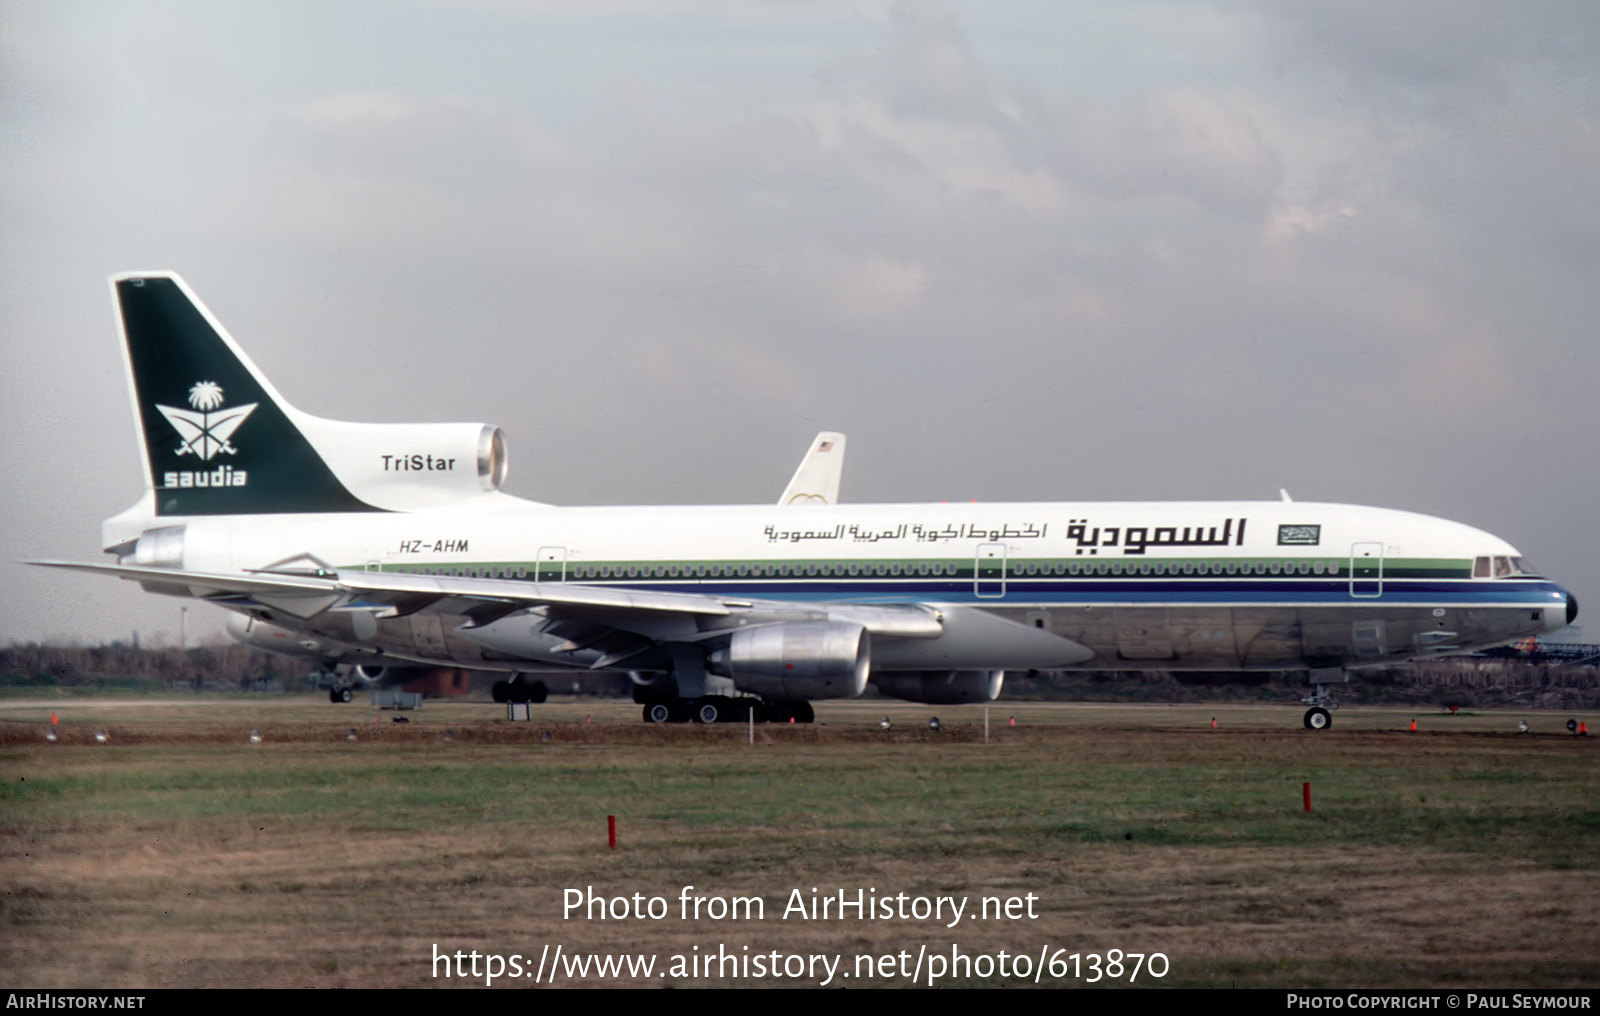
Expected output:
(218, 439)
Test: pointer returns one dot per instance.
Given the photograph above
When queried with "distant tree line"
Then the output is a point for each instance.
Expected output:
(226, 666)
(1460, 681)
(1455, 681)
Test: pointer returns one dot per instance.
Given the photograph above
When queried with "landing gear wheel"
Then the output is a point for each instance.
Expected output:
(501, 692)
(1318, 719)
(658, 712)
(346, 695)
(707, 712)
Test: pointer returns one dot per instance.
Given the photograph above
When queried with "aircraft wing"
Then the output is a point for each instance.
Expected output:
(483, 601)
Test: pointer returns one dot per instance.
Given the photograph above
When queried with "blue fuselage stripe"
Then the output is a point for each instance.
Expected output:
(1020, 592)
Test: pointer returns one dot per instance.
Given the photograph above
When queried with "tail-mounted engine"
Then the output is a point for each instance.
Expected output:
(412, 466)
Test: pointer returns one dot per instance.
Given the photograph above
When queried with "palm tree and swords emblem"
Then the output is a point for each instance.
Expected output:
(206, 429)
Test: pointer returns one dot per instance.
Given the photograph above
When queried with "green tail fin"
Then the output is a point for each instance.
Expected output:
(218, 439)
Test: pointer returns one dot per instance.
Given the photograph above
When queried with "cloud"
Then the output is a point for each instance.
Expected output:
(1120, 251)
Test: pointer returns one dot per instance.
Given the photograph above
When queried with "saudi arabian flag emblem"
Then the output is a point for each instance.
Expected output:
(207, 429)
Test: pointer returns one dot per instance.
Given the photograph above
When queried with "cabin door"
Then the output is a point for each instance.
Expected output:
(551, 566)
(1366, 570)
(989, 571)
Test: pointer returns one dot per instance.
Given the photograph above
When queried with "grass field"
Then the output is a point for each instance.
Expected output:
(180, 854)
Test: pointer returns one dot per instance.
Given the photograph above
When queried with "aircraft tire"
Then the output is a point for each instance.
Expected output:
(707, 711)
(538, 692)
(1318, 719)
(657, 712)
(346, 695)
(499, 692)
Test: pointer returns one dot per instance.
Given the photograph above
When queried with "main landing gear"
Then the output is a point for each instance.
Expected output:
(340, 693)
(726, 709)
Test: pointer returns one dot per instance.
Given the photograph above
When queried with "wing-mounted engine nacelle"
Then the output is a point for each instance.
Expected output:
(286, 642)
(412, 466)
(941, 687)
(373, 676)
(797, 660)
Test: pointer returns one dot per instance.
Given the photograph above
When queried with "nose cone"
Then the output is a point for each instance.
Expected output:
(1558, 615)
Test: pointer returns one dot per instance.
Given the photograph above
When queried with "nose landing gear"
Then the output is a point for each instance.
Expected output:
(1319, 716)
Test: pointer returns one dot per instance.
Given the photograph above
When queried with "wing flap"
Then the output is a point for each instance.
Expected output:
(531, 593)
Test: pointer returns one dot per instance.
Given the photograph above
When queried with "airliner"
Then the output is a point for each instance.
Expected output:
(397, 541)
(344, 668)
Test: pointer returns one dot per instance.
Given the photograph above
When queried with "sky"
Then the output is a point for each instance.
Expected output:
(1151, 250)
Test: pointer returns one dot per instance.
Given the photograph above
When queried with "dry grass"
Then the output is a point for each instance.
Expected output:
(180, 855)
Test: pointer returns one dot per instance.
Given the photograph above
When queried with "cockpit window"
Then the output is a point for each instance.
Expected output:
(1503, 568)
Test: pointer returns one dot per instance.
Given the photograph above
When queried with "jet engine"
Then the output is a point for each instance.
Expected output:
(412, 466)
(286, 642)
(942, 687)
(799, 660)
(375, 676)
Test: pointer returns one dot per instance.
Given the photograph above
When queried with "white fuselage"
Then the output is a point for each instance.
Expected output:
(1180, 585)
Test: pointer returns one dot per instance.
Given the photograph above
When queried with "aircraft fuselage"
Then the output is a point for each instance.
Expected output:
(1172, 585)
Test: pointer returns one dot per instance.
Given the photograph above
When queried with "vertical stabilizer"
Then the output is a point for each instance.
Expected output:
(217, 438)
(817, 479)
